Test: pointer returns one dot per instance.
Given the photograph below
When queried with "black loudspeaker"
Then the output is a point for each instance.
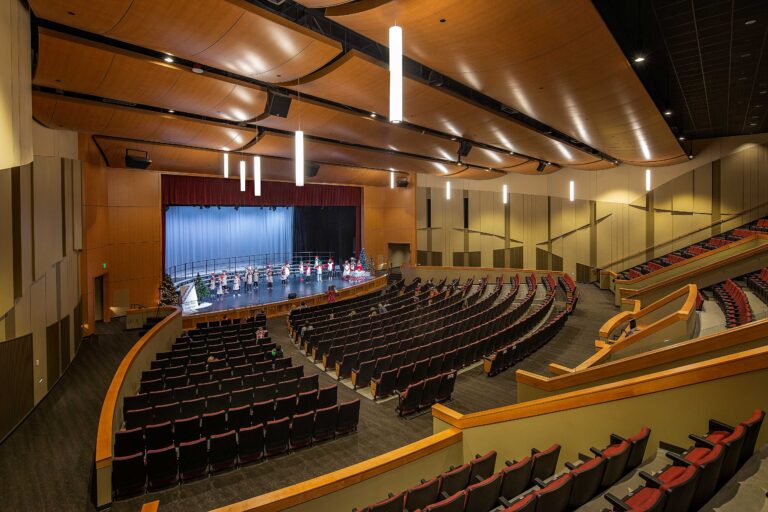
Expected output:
(540, 167)
(402, 182)
(137, 159)
(278, 105)
(291, 296)
(464, 148)
(311, 169)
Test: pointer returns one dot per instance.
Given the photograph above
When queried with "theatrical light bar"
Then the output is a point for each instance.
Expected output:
(299, 157)
(391, 179)
(571, 191)
(257, 176)
(504, 193)
(395, 74)
(242, 175)
(647, 180)
(447, 189)
(226, 164)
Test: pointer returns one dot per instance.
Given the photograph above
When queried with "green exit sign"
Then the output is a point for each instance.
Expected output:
(104, 265)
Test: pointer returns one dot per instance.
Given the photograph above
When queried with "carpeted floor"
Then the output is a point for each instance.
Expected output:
(46, 463)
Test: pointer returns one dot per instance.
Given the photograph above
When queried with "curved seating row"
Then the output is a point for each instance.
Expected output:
(734, 303)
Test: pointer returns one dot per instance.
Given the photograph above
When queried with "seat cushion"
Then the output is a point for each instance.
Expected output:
(644, 498)
(615, 449)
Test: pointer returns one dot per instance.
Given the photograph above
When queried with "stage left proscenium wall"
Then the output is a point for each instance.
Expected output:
(40, 234)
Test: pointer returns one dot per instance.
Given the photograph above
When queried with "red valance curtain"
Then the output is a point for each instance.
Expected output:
(194, 191)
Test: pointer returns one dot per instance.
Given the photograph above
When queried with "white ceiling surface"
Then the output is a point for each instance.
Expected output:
(622, 184)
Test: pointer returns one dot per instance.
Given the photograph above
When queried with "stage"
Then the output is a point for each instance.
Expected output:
(262, 295)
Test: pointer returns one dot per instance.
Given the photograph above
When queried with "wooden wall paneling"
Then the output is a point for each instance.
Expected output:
(65, 343)
(7, 219)
(16, 381)
(321, 4)
(598, 80)
(53, 354)
(23, 99)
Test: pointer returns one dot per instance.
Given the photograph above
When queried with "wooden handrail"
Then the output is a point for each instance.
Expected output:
(638, 312)
(694, 259)
(638, 362)
(106, 427)
(345, 477)
(712, 369)
(511, 271)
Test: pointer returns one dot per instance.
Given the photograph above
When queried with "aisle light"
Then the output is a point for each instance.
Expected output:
(391, 179)
(504, 193)
(647, 180)
(571, 190)
(447, 189)
(242, 175)
(257, 176)
(395, 74)
(226, 164)
(299, 158)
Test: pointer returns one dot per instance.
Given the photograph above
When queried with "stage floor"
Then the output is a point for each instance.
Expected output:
(279, 292)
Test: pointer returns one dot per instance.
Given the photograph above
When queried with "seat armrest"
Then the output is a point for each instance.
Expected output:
(700, 441)
(650, 480)
(719, 425)
(616, 502)
(444, 495)
(540, 482)
(478, 478)
(616, 439)
(534, 451)
(504, 502)
(570, 466)
(510, 462)
(597, 452)
(677, 460)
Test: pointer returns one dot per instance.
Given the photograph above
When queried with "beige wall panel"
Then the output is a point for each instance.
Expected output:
(68, 228)
(6, 241)
(702, 189)
(24, 79)
(38, 326)
(77, 205)
(421, 243)
(538, 228)
(516, 217)
(732, 183)
(663, 233)
(25, 193)
(682, 193)
(662, 196)
(46, 183)
(421, 208)
(476, 198)
(51, 296)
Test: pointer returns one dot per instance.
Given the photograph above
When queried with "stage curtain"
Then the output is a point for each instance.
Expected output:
(325, 229)
(194, 234)
(195, 191)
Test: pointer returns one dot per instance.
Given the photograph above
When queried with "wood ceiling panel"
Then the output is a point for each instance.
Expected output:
(360, 82)
(88, 117)
(322, 4)
(231, 35)
(489, 158)
(177, 159)
(351, 127)
(88, 15)
(75, 66)
(559, 64)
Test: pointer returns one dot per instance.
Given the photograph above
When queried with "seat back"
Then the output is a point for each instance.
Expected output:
(483, 496)
(222, 451)
(516, 478)
(454, 503)
(276, 436)
(404, 374)
(129, 475)
(349, 416)
(555, 495)
(159, 435)
(447, 383)
(525, 504)
(393, 504)
(545, 462)
(327, 396)
(710, 466)
(455, 480)
(482, 467)
(250, 444)
(428, 396)
(639, 442)
(752, 425)
(128, 442)
(409, 401)
(325, 423)
(422, 495)
(301, 429)
(586, 481)
(733, 445)
(616, 456)
(193, 459)
(385, 386)
(680, 490)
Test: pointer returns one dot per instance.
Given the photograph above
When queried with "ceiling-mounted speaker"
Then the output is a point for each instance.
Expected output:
(278, 105)
(311, 169)
(402, 182)
(464, 148)
(541, 167)
(136, 159)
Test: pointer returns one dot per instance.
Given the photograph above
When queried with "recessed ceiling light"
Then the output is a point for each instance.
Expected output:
(442, 20)
(752, 124)
(750, 22)
(763, 92)
(681, 138)
(373, 115)
(168, 59)
(512, 153)
(171, 111)
(667, 112)
(745, 55)
(639, 58)
(758, 106)
(690, 157)
(197, 69)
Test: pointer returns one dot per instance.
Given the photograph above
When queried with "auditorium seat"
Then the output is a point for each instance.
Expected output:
(276, 437)
(138, 418)
(241, 397)
(222, 451)
(194, 407)
(159, 435)
(408, 400)
(454, 503)
(239, 417)
(553, 496)
(445, 390)
(349, 416)
(250, 444)
(516, 477)
(482, 467)
(544, 462)
(525, 503)
(709, 462)
(193, 459)
(129, 475)
(128, 442)
(325, 423)
(263, 412)
(391, 504)
(483, 496)
(162, 467)
(422, 495)
(306, 402)
(587, 479)
(213, 423)
(429, 394)
(186, 429)
(301, 430)
(327, 396)
(285, 407)
(676, 494)
(455, 480)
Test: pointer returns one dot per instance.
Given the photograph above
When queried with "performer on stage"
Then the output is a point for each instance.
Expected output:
(301, 271)
(317, 261)
(347, 270)
(319, 271)
(236, 286)
(269, 277)
(249, 279)
(224, 281)
(330, 267)
(308, 271)
(220, 290)
(213, 283)
(359, 267)
(285, 272)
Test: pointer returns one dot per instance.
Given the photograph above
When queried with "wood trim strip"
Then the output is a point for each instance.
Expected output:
(416, 268)
(697, 346)
(106, 418)
(322, 485)
(713, 369)
(151, 506)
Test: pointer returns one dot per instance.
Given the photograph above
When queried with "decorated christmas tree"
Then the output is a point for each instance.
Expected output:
(201, 289)
(169, 295)
(363, 262)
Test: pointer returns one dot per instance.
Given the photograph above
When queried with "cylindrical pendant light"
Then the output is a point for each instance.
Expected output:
(226, 164)
(647, 180)
(257, 176)
(299, 158)
(504, 193)
(447, 189)
(395, 74)
(242, 175)
(391, 179)
(571, 191)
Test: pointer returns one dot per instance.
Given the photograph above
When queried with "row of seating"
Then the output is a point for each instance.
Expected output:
(157, 468)
(185, 343)
(228, 326)
(235, 364)
(425, 393)
(710, 244)
(250, 354)
(758, 283)
(696, 473)
(734, 303)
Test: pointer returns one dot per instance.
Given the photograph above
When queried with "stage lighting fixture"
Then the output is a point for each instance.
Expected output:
(448, 190)
(226, 164)
(464, 148)
(647, 180)
(505, 193)
(257, 176)
(571, 191)
(299, 158)
(540, 167)
(242, 175)
(395, 74)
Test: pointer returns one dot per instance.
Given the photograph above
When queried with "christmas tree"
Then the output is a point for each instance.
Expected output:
(363, 258)
(169, 295)
(201, 289)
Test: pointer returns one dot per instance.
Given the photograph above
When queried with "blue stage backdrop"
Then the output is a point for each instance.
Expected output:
(195, 234)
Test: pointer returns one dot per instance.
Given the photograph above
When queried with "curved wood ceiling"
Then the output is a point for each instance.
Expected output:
(557, 64)
(244, 40)
(357, 80)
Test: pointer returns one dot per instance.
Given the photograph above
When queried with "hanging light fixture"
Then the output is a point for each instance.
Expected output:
(257, 176)
(242, 175)
(448, 190)
(226, 164)
(391, 179)
(647, 180)
(505, 193)
(299, 158)
(395, 74)
(571, 190)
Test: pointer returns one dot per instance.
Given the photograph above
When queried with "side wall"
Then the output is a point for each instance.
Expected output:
(604, 227)
(389, 217)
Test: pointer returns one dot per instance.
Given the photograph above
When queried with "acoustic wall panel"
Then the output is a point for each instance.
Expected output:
(77, 202)
(16, 381)
(7, 218)
(46, 207)
(64, 342)
(53, 353)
